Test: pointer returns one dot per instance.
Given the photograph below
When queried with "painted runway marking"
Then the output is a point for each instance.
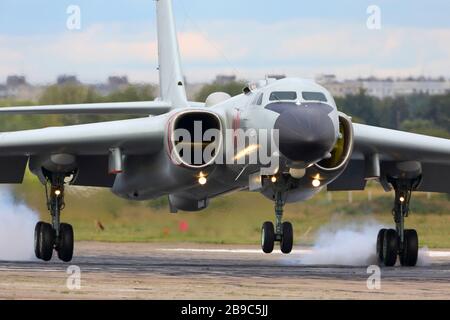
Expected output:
(434, 254)
(439, 253)
(249, 251)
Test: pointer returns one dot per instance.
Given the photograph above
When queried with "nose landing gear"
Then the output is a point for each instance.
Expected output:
(58, 236)
(282, 232)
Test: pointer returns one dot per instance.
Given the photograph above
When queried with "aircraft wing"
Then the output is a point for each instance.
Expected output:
(91, 143)
(392, 147)
(129, 108)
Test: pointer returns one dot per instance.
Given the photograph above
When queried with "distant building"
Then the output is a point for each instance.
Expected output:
(326, 78)
(224, 79)
(3, 92)
(116, 82)
(17, 87)
(67, 79)
(15, 81)
(402, 87)
(339, 88)
(383, 88)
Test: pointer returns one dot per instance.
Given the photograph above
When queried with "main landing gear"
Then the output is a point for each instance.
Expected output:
(400, 242)
(57, 235)
(282, 232)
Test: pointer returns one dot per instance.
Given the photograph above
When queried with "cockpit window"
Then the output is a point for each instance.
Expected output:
(283, 95)
(314, 96)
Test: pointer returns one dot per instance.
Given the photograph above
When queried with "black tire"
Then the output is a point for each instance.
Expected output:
(380, 240)
(390, 248)
(267, 237)
(37, 239)
(287, 240)
(65, 243)
(410, 253)
(46, 241)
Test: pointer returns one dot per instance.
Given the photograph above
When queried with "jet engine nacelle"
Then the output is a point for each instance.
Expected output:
(195, 138)
(54, 163)
(332, 167)
(193, 141)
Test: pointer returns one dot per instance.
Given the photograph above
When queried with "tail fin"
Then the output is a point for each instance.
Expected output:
(172, 86)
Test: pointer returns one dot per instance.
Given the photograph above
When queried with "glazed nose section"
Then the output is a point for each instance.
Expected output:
(306, 133)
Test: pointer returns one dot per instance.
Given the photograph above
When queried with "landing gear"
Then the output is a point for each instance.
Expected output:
(64, 246)
(44, 239)
(58, 236)
(287, 238)
(267, 237)
(399, 242)
(282, 232)
(409, 254)
(380, 240)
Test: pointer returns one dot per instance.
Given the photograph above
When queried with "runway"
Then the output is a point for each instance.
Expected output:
(159, 271)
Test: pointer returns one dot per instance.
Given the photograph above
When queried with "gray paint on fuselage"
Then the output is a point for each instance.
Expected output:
(149, 177)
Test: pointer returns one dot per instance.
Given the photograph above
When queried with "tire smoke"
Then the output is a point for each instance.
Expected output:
(351, 244)
(17, 222)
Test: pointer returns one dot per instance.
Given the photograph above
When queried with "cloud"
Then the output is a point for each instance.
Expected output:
(249, 48)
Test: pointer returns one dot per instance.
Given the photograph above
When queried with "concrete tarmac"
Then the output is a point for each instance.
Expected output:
(161, 271)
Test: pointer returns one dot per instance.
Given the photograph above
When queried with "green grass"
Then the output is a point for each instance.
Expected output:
(234, 219)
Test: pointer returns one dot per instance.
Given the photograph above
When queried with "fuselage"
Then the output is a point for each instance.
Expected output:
(304, 116)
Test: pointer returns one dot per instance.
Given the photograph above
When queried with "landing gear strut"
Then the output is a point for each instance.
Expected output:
(399, 242)
(282, 232)
(57, 235)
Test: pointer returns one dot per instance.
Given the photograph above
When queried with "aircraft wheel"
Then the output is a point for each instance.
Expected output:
(37, 242)
(380, 240)
(267, 237)
(287, 240)
(46, 240)
(65, 245)
(410, 253)
(390, 248)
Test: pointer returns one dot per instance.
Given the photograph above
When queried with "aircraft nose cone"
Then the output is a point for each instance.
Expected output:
(306, 132)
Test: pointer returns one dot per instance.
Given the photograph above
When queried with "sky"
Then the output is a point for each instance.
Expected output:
(252, 38)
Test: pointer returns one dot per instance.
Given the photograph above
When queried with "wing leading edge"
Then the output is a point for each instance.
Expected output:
(153, 108)
(131, 108)
(391, 147)
(90, 143)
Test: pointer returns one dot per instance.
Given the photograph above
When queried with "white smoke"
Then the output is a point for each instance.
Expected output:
(351, 244)
(424, 258)
(17, 222)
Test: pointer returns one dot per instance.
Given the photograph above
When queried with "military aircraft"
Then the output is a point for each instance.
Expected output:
(310, 145)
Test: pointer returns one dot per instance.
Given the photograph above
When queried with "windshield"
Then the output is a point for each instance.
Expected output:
(283, 95)
(314, 96)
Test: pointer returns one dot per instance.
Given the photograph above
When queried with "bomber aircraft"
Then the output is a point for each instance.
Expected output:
(193, 152)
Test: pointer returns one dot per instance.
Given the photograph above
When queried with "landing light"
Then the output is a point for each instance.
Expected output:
(57, 192)
(274, 179)
(316, 183)
(402, 199)
(202, 179)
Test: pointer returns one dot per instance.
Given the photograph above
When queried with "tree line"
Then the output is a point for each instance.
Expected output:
(418, 113)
